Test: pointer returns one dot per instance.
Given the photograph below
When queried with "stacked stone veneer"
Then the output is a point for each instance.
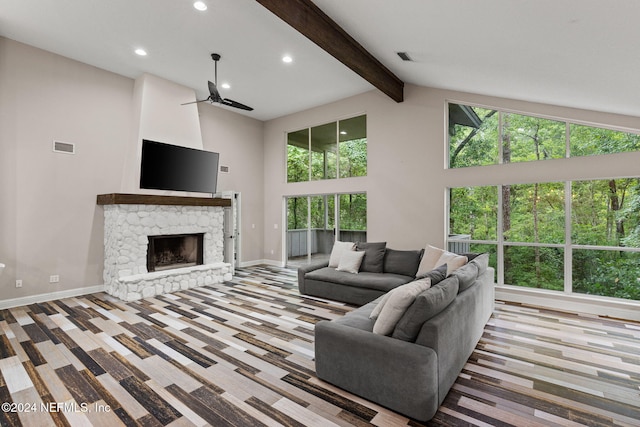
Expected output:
(126, 231)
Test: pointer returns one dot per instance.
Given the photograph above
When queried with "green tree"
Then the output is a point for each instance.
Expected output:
(297, 164)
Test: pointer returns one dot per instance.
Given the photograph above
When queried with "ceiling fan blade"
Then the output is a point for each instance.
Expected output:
(215, 95)
(196, 102)
(235, 104)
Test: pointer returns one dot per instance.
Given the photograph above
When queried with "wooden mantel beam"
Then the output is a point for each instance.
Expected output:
(310, 21)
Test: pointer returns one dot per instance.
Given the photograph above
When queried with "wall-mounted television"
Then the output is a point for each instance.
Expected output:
(171, 167)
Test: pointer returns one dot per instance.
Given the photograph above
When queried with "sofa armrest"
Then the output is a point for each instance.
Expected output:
(456, 330)
(308, 268)
(396, 374)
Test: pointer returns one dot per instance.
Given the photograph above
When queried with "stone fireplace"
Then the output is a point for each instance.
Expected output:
(182, 237)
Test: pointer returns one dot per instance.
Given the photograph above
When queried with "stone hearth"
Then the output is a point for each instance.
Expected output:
(127, 226)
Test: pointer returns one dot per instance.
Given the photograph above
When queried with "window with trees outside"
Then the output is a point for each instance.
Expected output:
(480, 136)
(315, 222)
(329, 151)
(579, 236)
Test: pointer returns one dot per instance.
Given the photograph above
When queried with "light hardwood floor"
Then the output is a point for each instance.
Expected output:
(241, 354)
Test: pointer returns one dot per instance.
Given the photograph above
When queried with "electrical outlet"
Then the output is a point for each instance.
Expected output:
(54, 278)
(19, 283)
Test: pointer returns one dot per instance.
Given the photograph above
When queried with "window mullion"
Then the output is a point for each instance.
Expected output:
(500, 237)
(310, 157)
(500, 142)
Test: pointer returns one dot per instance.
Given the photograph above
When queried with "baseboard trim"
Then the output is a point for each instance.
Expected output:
(49, 296)
(589, 304)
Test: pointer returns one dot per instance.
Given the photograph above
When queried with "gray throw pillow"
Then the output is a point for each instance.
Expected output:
(467, 275)
(426, 305)
(470, 256)
(482, 261)
(373, 256)
(437, 275)
(402, 262)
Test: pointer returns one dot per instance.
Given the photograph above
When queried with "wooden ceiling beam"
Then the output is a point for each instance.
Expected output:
(313, 23)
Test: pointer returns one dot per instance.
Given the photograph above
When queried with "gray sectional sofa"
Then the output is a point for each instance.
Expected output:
(412, 369)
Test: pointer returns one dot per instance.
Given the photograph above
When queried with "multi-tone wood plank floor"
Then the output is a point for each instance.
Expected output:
(241, 354)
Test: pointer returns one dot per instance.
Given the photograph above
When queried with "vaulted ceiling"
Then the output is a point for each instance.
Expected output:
(577, 53)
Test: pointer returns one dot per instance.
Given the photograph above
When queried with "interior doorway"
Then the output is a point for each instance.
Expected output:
(232, 235)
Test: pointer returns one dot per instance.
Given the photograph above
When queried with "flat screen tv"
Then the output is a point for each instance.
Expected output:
(171, 167)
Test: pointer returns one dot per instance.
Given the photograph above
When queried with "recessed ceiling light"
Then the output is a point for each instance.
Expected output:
(225, 86)
(343, 132)
(287, 59)
(200, 5)
(141, 52)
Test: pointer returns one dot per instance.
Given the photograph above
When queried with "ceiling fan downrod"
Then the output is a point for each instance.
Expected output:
(216, 57)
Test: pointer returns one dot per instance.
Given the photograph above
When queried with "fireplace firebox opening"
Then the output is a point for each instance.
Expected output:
(175, 251)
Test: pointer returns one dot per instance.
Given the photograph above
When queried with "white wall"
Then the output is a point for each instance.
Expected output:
(158, 115)
(49, 221)
(407, 178)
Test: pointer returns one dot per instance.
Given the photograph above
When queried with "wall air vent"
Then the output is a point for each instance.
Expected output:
(64, 147)
(224, 169)
(404, 56)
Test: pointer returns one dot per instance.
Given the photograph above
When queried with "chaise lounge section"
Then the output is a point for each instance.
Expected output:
(411, 369)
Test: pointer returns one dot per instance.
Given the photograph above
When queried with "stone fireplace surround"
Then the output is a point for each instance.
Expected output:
(128, 221)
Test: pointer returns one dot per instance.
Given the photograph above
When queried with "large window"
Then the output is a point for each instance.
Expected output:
(571, 236)
(588, 242)
(480, 136)
(328, 151)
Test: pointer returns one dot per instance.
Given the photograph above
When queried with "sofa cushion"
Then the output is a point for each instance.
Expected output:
(426, 305)
(337, 250)
(379, 281)
(436, 275)
(396, 304)
(373, 256)
(359, 318)
(350, 261)
(467, 275)
(402, 262)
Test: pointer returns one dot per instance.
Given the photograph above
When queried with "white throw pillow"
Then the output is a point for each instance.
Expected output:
(378, 308)
(453, 261)
(429, 260)
(350, 261)
(338, 249)
(399, 300)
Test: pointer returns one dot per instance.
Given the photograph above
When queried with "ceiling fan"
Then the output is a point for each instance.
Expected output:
(214, 95)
